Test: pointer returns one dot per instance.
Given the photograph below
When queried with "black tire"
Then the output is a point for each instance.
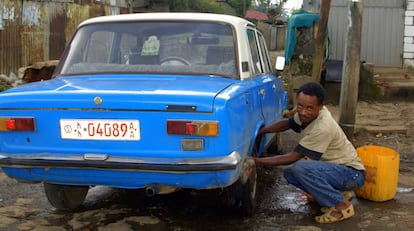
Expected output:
(65, 197)
(241, 196)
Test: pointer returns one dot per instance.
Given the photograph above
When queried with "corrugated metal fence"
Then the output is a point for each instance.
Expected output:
(382, 31)
(35, 31)
(275, 35)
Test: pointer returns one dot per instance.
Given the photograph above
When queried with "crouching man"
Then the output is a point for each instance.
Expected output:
(333, 166)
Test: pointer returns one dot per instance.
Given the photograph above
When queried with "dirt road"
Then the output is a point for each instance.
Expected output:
(389, 124)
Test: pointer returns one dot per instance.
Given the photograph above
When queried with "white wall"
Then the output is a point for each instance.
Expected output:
(408, 55)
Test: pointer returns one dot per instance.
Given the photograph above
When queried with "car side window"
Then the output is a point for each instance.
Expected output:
(267, 67)
(254, 50)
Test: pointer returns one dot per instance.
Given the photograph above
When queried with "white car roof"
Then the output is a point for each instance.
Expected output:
(175, 16)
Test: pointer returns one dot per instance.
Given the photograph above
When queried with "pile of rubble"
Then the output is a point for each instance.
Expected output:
(33, 73)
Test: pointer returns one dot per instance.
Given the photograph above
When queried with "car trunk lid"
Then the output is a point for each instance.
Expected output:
(119, 92)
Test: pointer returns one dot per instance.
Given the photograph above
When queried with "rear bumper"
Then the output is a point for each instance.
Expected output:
(224, 163)
(125, 172)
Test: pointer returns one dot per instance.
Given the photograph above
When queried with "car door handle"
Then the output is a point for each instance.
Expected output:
(262, 92)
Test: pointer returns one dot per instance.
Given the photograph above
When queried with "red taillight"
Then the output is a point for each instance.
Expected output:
(10, 124)
(191, 128)
(177, 127)
(17, 124)
(198, 128)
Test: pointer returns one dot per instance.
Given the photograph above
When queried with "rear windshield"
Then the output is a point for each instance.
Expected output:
(152, 47)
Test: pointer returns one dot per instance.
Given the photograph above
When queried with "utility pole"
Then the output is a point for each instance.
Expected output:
(244, 8)
(320, 40)
(351, 68)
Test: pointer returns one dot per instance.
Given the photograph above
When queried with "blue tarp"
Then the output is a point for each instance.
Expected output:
(301, 18)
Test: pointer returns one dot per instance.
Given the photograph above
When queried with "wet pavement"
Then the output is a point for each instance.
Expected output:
(280, 207)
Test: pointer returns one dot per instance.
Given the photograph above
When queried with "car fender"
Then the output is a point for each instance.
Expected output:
(256, 141)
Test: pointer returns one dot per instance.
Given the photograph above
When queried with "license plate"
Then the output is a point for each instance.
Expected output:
(87, 129)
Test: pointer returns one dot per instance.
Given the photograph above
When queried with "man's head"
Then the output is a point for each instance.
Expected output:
(310, 100)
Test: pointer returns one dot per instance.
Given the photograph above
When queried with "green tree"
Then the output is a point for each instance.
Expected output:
(269, 7)
(240, 6)
(195, 6)
(263, 5)
(180, 5)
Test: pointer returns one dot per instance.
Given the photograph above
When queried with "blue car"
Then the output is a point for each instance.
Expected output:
(153, 101)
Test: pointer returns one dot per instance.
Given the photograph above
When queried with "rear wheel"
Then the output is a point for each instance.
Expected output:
(65, 197)
(241, 196)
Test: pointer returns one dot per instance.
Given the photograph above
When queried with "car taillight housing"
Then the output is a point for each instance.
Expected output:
(17, 124)
(194, 128)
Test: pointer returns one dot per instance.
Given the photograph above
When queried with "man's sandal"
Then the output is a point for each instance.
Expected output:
(347, 195)
(327, 209)
(328, 218)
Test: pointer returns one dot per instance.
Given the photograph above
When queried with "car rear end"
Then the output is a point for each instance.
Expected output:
(119, 138)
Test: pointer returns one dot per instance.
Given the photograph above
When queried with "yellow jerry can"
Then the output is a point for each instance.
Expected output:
(381, 176)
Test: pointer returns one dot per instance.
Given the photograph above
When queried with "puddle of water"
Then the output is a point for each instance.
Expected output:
(295, 202)
(404, 190)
